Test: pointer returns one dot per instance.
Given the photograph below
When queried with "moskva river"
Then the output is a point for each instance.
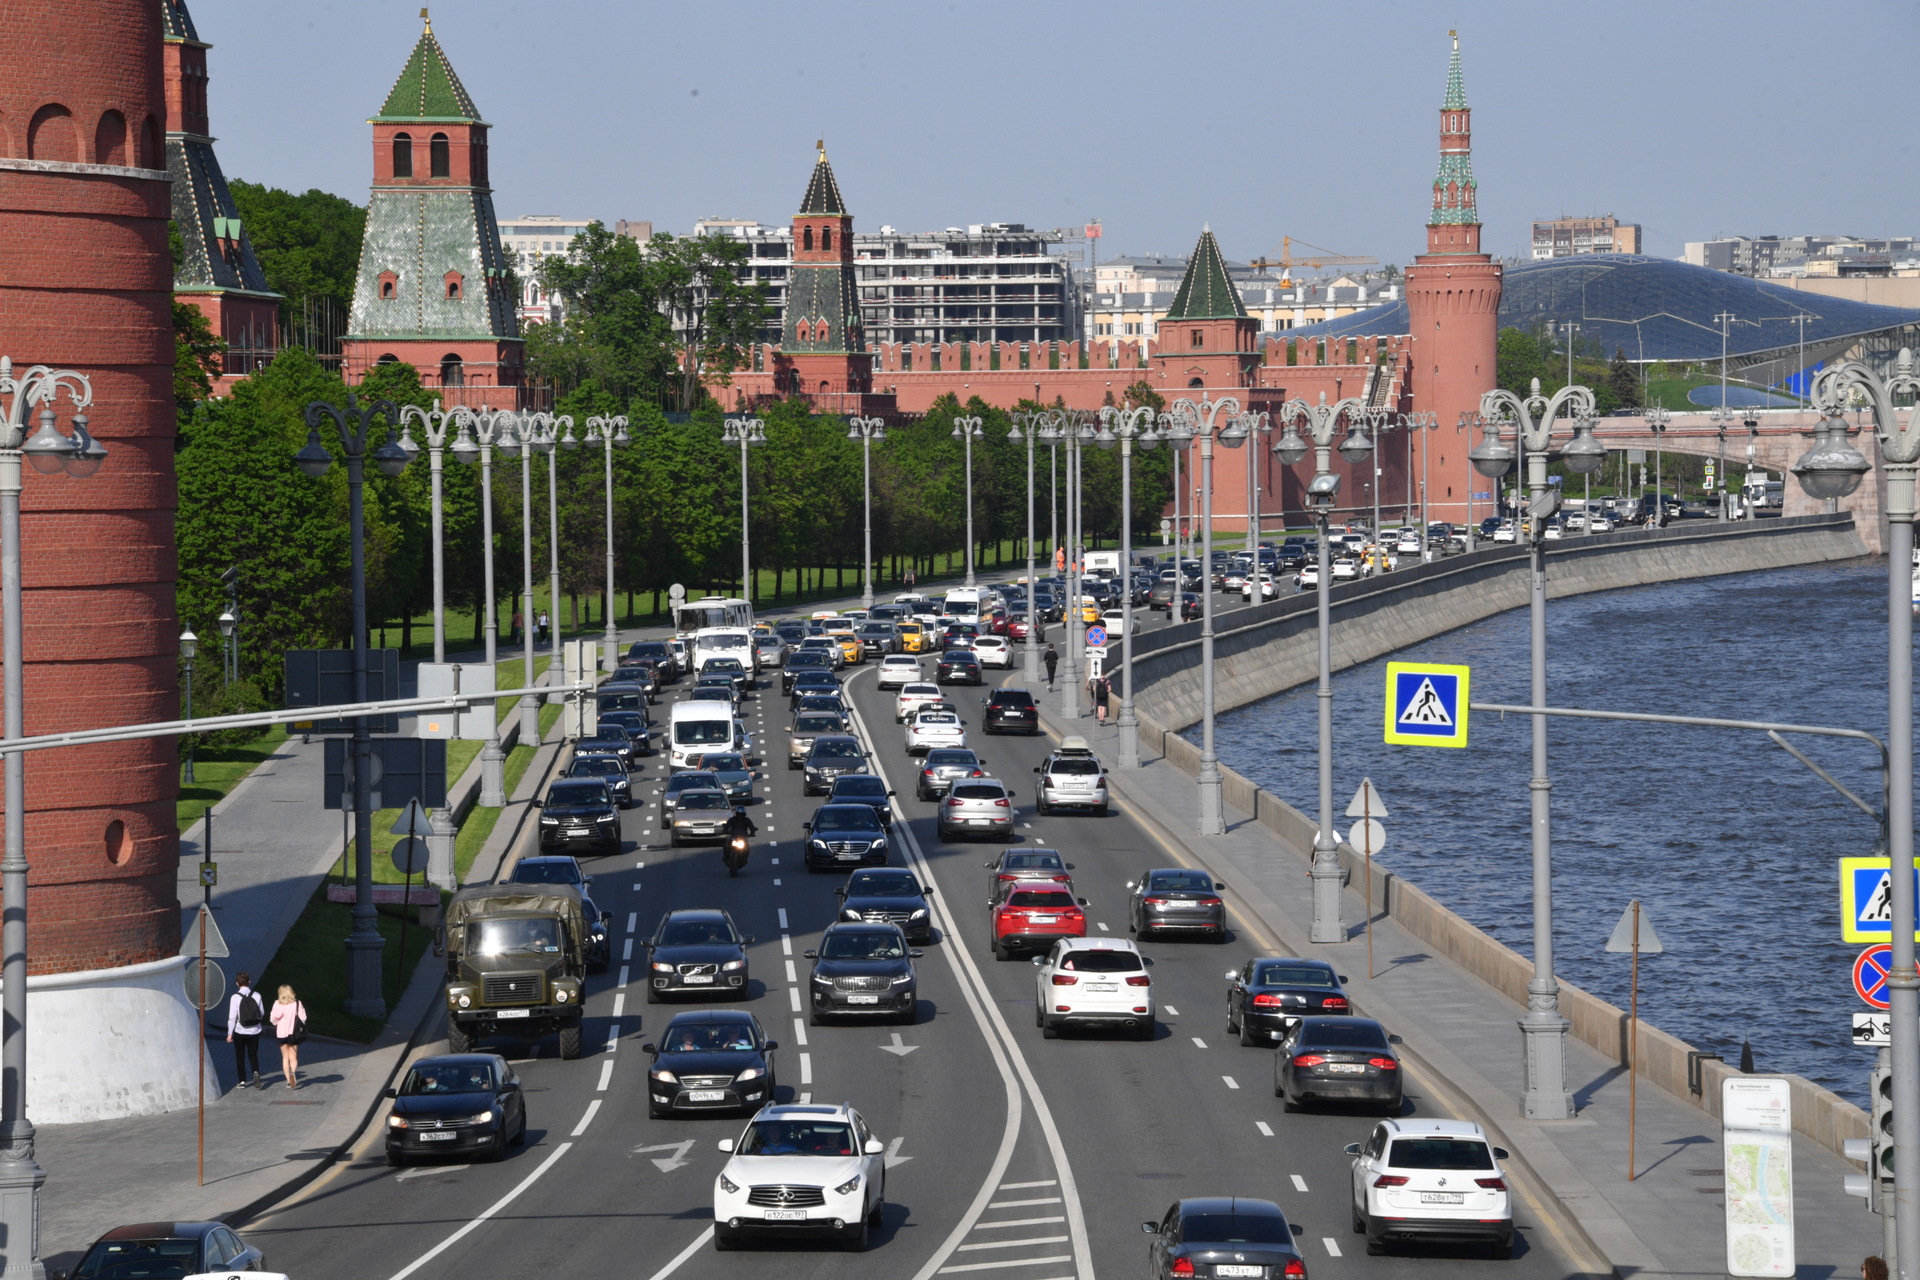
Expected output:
(1730, 844)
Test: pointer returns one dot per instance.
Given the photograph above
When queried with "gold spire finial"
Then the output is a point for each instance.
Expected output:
(429, 21)
(1456, 40)
(821, 143)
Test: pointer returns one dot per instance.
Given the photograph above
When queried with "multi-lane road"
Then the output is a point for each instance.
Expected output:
(1009, 1155)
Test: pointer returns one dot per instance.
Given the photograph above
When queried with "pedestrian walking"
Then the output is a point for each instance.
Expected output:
(246, 1020)
(540, 627)
(1052, 660)
(513, 629)
(909, 578)
(289, 1018)
(1101, 688)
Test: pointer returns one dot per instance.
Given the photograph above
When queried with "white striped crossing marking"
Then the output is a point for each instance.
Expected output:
(1023, 1204)
(1020, 1222)
(1299, 1184)
(1023, 1186)
(1013, 1244)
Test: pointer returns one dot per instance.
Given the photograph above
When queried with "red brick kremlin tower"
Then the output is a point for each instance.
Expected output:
(86, 283)
(823, 342)
(1453, 304)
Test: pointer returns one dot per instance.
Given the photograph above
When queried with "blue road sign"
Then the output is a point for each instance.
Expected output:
(1427, 704)
(1866, 899)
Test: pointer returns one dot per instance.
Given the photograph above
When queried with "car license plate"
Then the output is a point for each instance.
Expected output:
(1103, 986)
(1442, 1197)
(696, 977)
(1345, 1068)
(706, 1095)
(437, 1137)
(1042, 919)
(576, 831)
(513, 1013)
(863, 999)
(786, 1215)
(1234, 1269)
(980, 822)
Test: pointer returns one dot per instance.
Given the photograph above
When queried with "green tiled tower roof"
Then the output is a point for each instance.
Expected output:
(1206, 292)
(428, 89)
(823, 193)
(1456, 98)
(176, 24)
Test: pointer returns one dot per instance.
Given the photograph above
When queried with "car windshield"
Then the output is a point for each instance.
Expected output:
(860, 788)
(1032, 862)
(139, 1260)
(952, 758)
(695, 732)
(1075, 767)
(721, 666)
(1292, 975)
(977, 791)
(705, 800)
(691, 933)
(832, 750)
(448, 1077)
(1235, 1228)
(1346, 1033)
(1439, 1153)
(816, 724)
(865, 944)
(1182, 880)
(797, 1138)
(845, 818)
(596, 765)
(1041, 898)
(567, 793)
(679, 782)
(508, 936)
(707, 1037)
(883, 884)
(724, 763)
(547, 871)
(712, 693)
(1101, 961)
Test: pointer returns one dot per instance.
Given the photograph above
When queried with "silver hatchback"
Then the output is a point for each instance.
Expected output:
(1071, 778)
(976, 807)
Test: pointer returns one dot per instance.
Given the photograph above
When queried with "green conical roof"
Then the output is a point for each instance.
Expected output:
(428, 89)
(1456, 98)
(1206, 292)
(823, 193)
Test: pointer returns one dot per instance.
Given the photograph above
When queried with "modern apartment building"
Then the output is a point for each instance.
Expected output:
(1564, 237)
(1832, 256)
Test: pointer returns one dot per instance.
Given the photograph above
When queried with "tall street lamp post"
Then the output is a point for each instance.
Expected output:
(1544, 1029)
(433, 425)
(746, 433)
(609, 434)
(355, 427)
(1026, 426)
(1418, 424)
(1468, 424)
(867, 431)
(1832, 469)
(1204, 422)
(1721, 418)
(967, 430)
(1321, 420)
(1657, 419)
(229, 624)
(1257, 425)
(524, 436)
(34, 391)
(478, 432)
(1069, 427)
(566, 441)
(1129, 426)
(189, 645)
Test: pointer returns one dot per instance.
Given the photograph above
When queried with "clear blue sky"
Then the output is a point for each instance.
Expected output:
(1694, 118)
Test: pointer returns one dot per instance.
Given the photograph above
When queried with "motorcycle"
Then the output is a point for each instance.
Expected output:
(735, 855)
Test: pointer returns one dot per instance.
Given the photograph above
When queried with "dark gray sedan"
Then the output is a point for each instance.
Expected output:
(1271, 993)
(1176, 900)
(1224, 1236)
(1348, 1059)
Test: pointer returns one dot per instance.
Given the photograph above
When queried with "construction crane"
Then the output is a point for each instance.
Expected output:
(1287, 261)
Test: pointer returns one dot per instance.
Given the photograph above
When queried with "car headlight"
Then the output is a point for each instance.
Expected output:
(663, 968)
(816, 844)
(485, 1117)
(848, 1187)
(733, 965)
(466, 1001)
(605, 817)
(397, 1122)
(664, 1077)
(920, 914)
(751, 1073)
(560, 996)
(880, 843)
(903, 978)
(726, 1185)
(546, 821)
(825, 982)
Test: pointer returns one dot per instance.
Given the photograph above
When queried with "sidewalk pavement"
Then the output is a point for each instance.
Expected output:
(1463, 1036)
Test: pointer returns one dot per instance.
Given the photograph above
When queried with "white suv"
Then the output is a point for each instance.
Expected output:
(1093, 982)
(993, 651)
(1431, 1180)
(801, 1171)
(898, 670)
(912, 697)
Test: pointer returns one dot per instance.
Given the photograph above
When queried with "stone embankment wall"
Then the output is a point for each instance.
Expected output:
(1276, 651)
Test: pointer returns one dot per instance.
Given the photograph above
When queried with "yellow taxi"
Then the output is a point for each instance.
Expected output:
(854, 648)
(1089, 613)
(913, 638)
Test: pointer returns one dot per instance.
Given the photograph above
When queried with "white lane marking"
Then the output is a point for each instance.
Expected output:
(893, 1156)
(613, 1037)
(1231, 1082)
(799, 1031)
(1199, 1043)
(623, 975)
(1333, 1246)
(633, 920)
(806, 1068)
(1027, 1186)
(636, 885)
(1019, 1222)
(995, 1266)
(587, 1119)
(639, 866)
(791, 975)
(1022, 1204)
(783, 917)
(1015, 1244)
(776, 882)
(1169, 1010)
(606, 1076)
(487, 1213)
(786, 945)
(774, 861)
(805, 1098)
(1103, 927)
(794, 992)
(679, 1259)
(626, 952)
(1263, 1127)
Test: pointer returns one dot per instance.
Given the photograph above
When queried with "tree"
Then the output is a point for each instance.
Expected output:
(1623, 380)
(699, 279)
(196, 356)
(308, 245)
(615, 336)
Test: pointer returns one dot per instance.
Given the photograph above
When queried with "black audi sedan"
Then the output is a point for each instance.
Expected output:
(589, 761)
(1176, 900)
(710, 1060)
(841, 835)
(460, 1104)
(579, 813)
(1334, 1059)
(696, 951)
(888, 895)
(862, 969)
(1011, 711)
(164, 1249)
(1271, 993)
(1224, 1236)
(832, 755)
(957, 666)
(867, 789)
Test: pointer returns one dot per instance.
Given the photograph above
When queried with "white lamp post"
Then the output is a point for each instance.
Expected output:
(610, 434)
(967, 430)
(747, 433)
(1129, 426)
(866, 431)
(477, 433)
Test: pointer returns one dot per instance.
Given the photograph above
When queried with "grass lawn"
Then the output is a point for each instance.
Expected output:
(313, 961)
(218, 770)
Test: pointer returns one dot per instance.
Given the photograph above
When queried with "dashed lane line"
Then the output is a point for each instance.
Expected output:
(1169, 1010)
(1333, 1246)
(794, 994)
(1263, 1127)
(1231, 1082)
(1198, 1043)
(679, 1259)
(593, 1109)
(606, 1076)
(619, 1003)
(1299, 1184)
(792, 976)
(806, 1068)
(623, 975)
(799, 1033)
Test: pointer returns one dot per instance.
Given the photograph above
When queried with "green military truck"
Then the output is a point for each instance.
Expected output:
(516, 964)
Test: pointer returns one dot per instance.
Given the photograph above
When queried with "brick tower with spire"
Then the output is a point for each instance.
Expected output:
(218, 272)
(1207, 337)
(1453, 304)
(823, 345)
(434, 290)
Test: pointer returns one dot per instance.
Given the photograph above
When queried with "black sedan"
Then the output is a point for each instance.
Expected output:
(579, 813)
(844, 835)
(461, 1104)
(591, 762)
(696, 951)
(710, 1060)
(888, 895)
(812, 681)
(957, 666)
(1224, 1236)
(166, 1249)
(1011, 711)
(863, 969)
(867, 789)
(1333, 1059)
(732, 668)
(634, 724)
(1271, 993)
(799, 663)
(666, 666)
(831, 755)
(1176, 900)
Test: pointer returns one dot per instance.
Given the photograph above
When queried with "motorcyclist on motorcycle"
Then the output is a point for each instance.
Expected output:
(739, 830)
(740, 824)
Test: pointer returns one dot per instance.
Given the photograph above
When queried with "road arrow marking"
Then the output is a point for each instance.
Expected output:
(893, 1153)
(898, 1049)
(677, 1160)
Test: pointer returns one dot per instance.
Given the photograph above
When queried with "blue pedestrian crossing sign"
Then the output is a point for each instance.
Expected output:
(1866, 899)
(1427, 704)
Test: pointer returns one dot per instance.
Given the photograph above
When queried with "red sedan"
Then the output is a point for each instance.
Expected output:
(1033, 914)
(996, 621)
(1017, 628)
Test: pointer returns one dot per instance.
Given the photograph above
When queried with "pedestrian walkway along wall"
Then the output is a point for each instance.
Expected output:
(1275, 649)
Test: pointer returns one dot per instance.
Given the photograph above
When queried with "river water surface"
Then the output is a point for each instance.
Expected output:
(1729, 843)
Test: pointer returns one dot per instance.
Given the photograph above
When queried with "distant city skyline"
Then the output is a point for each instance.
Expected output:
(1696, 120)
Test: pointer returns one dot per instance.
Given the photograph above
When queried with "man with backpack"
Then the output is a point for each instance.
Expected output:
(246, 1019)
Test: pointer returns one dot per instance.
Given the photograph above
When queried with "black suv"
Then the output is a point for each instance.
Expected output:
(666, 667)
(1011, 711)
(696, 951)
(844, 835)
(579, 813)
(607, 767)
(957, 666)
(831, 755)
(862, 969)
(802, 660)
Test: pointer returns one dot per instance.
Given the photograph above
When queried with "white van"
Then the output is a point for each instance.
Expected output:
(725, 642)
(1104, 562)
(962, 604)
(695, 729)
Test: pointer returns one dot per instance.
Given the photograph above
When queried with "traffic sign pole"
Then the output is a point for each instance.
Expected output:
(1368, 808)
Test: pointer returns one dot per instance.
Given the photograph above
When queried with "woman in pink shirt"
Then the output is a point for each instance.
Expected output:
(289, 1019)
